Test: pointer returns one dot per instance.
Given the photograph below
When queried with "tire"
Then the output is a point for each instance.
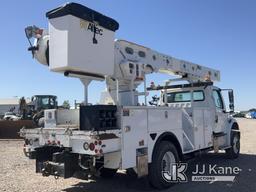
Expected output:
(156, 167)
(107, 173)
(234, 151)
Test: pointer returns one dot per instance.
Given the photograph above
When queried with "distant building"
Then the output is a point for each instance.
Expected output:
(10, 104)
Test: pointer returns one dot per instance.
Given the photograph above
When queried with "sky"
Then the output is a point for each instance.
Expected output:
(220, 34)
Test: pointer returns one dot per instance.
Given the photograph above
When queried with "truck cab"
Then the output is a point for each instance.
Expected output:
(41, 102)
(207, 97)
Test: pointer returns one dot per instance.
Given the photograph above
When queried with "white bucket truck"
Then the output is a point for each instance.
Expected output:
(121, 133)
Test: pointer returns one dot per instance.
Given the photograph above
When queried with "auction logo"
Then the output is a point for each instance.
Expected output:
(210, 173)
(176, 173)
(214, 173)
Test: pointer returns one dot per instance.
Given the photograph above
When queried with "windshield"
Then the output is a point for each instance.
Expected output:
(46, 102)
(9, 113)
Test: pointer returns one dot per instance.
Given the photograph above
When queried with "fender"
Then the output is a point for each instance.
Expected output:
(232, 126)
(167, 136)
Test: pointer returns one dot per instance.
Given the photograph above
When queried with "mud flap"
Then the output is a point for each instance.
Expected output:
(142, 162)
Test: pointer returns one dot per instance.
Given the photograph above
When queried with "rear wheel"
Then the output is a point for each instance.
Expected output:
(163, 157)
(234, 150)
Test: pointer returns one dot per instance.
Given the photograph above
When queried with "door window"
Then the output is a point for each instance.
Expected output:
(184, 96)
(217, 99)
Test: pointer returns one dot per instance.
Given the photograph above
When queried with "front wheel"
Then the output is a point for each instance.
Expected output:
(234, 150)
(165, 155)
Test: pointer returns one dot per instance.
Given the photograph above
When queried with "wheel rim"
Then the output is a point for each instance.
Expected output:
(167, 161)
(236, 144)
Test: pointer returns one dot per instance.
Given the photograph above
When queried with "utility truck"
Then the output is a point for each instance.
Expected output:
(122, 132)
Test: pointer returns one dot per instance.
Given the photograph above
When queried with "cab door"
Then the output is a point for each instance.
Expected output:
(220, 115)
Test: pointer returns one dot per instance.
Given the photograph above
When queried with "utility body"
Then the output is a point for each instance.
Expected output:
(123, 131)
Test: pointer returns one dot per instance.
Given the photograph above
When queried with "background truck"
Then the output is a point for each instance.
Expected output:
(123, 132)
(34, 110)
(26, 113)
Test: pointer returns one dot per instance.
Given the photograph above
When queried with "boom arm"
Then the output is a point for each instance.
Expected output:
(80, 43)
(154, 61)
(131, 65)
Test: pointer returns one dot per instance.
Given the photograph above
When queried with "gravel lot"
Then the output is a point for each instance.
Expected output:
(17, 173)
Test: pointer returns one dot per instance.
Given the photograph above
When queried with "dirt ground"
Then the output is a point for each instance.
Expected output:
(10, 129)
(17, 173)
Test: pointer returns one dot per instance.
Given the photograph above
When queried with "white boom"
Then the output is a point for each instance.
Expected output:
(159, 62)
(133, 62)
(88, 51)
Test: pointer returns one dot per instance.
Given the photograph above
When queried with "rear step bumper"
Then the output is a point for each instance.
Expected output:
(56, 162)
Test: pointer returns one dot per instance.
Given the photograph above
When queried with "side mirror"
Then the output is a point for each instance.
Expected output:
(231, 100)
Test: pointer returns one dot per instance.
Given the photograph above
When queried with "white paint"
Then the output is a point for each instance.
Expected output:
(71, 47)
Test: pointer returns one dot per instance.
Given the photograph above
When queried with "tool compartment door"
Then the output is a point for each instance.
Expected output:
(203, 124)
(134, 134)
